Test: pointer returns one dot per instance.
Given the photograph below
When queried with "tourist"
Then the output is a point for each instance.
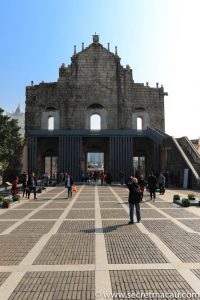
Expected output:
(134, 198)
(102, 177)
(15, 186)
(161, 182)
(24, 184)
(142, 183)
(68, 184)
(152, 181)
(32, 183)
(121, 177)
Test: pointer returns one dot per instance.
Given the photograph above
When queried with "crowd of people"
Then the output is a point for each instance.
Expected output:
(135, 185)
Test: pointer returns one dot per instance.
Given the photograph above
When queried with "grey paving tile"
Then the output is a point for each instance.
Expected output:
(34, 227)
(87, 226)
(14, 248)
(83, 205)
(165, 284)
(15, 214)
(81, 214)
(47, 214)
(196, 272)
(111, 204)
(119, 226)
(150, 213)
(165, 205)
(114, 213)
(185, 245)
(5, 224)
(29, 205)
(132, 248)
(57, 205)
(193, 224)
(3, 277)
(64, 249)
(179, 213)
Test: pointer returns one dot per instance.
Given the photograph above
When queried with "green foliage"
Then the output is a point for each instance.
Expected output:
(16, 197)
(10, 146)
(176, 197)
(191, 196)
(185, 202)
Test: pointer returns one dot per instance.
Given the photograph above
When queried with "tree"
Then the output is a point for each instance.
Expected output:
(10, 147)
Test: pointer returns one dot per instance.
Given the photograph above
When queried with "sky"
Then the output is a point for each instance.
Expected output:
(159, 39)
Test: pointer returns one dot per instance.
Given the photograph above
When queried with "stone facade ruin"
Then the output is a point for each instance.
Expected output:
(132, 119)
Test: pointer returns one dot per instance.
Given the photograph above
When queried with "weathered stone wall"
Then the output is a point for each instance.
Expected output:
(95, 76)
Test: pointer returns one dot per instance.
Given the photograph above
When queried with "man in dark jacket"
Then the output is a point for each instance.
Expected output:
(152, 181)
(134, 198)
(68, 184)
(32, 183)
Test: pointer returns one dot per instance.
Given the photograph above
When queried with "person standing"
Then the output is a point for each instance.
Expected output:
(15, 186)
(68, 184)
(134, 199)
(32, 183)
(24, 184)
(152, 181)
(121, 177)
(161, 182)
(142, 183)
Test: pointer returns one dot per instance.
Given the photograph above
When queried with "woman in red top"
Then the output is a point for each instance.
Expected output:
(14, 186)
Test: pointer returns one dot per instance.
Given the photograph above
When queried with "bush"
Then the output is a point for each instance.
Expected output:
(176, 197)
(185, 202)
(16, 197)
(191, 196)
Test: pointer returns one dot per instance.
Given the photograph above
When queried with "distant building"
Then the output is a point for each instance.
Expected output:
(20, 116)
(96, 107)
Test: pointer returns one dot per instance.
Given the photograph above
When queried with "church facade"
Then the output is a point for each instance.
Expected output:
(59, 120)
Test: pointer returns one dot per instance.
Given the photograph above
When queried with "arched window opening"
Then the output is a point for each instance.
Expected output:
(139, 123)
(95, 122)
(50, 123)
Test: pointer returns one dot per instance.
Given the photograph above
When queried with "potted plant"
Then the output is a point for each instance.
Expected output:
(176, 197)
(1, 198)
(6, 202)
(16, 197)
(191, 196)
(185, 202)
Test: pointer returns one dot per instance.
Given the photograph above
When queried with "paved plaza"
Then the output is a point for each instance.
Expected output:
(82, 248)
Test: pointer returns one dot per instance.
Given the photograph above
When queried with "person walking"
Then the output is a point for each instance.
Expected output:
(68, 184)
(161, 182)
(152, 181)
(134, 199)
(32, 183)
(24, 185)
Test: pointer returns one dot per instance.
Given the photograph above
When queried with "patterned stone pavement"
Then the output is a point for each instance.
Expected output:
(82, 247)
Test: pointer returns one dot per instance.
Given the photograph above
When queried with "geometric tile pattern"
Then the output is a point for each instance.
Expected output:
(81, 214)
(14, 249)
(34, 227)
(159, 282)
(70, 242)
(87, 226)
(179, 213)
(56, 285)
(5, 224)
(185, 245)
(193, 224)
(132, 249)
(63, 249)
